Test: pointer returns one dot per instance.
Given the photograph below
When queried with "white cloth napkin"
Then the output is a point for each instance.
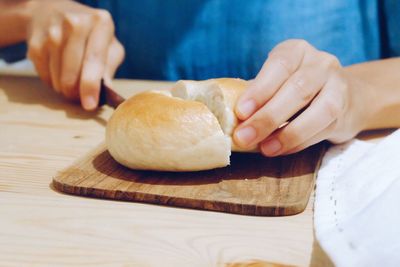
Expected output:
(20, 68)
(357, 204)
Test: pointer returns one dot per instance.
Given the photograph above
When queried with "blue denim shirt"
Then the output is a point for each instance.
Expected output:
(200, 39)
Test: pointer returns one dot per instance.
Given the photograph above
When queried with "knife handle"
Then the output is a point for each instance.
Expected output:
(109, 96)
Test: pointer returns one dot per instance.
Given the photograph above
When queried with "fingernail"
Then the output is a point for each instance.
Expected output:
(271, 147)
(89, 103)
(245, 135)
(247, 108)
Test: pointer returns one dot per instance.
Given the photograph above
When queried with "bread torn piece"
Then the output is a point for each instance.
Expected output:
(220, 96)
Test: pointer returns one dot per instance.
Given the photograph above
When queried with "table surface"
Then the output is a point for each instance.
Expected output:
(40, 134)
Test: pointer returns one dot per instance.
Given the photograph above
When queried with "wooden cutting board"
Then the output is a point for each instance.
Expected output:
(251, 185)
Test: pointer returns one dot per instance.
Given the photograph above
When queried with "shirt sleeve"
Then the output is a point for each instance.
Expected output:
(92, 3)
(390, 27)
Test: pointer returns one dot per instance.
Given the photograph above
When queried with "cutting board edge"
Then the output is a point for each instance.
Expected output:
(204, 205)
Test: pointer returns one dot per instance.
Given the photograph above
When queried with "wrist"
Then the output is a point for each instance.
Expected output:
(378, 92)
(26, 14)
(364, 102)
(14, 20)
(371, 105)
(22, 13)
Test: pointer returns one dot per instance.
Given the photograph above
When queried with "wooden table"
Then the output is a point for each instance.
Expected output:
(40, 134)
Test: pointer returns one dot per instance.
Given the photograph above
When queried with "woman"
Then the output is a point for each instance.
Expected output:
(73, 46)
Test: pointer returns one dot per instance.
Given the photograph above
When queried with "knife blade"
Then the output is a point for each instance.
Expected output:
(109, 96)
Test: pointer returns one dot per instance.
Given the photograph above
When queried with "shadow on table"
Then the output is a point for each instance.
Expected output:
(31, 91)
(298, 166)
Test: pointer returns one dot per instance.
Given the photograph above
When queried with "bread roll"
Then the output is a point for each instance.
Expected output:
(186, 129)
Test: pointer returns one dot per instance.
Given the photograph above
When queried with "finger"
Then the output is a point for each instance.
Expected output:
(312, 141)
(296, 93)
(95, 59)
(116, 54)
(39, 55)
(282, 62)
(322, 112)
(319, 137)
(77, 29)
(54, 44)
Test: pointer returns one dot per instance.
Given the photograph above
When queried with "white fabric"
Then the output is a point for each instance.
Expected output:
(20, 68)
(357, 205)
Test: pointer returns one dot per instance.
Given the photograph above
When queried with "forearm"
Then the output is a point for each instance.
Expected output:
(14, 18)
(382, 81)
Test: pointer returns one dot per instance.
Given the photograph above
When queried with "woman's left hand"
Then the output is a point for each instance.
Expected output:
(297, 79)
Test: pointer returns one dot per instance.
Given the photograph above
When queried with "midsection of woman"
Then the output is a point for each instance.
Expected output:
(200, 39)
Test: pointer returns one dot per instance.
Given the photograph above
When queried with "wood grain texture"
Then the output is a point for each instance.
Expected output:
(41, 134)
(251, 185)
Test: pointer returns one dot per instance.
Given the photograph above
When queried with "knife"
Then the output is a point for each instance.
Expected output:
(109, 96)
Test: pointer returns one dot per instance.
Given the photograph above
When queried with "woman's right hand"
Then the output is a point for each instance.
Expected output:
(73, 47)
